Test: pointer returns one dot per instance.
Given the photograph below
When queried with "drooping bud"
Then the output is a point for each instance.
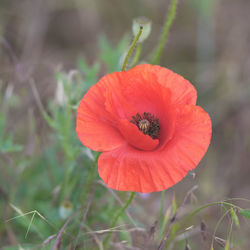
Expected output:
(142, 22)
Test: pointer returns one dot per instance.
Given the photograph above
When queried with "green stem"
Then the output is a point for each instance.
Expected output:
(216, 227)
(90, 178)
(66, 181)
(188, 217)
(168, 22)
(120, 212)
(131, 48)
(137, 55)
(205, 206)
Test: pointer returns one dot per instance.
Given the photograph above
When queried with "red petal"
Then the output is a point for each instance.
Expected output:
(137, 94)
(95, 125)
(192, 137)
(144, 92)
(182, 91)
(128, 169)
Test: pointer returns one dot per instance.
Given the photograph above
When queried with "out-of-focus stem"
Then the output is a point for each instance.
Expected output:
(187, 218)
(168, 22)
(120, 212)
(90, 178)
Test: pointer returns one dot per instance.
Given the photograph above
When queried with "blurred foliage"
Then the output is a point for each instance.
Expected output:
(53, 188)
(112, 56)
(6, 140)
(61, 172)
(48, 179)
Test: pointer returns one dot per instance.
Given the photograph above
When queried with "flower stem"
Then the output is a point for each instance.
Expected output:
(168, 22)
(131, 48)
(120, 212)
(136, 56)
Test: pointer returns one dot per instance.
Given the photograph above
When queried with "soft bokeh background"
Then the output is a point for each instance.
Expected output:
(42, 40)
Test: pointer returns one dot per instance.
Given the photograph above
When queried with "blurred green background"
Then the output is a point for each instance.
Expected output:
(42, 41)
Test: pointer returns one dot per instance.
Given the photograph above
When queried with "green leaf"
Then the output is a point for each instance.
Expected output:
(110, 54)
(90, 72)
(245, 213)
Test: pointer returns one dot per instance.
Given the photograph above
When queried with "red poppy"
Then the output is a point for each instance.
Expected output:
(146, 122)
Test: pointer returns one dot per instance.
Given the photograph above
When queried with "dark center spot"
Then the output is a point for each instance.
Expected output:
(148, 124)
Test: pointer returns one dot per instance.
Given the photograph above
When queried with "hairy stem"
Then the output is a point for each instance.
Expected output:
(136, 56)
(131, 48)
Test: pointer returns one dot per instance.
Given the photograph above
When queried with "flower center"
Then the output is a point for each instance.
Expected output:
(148, 124)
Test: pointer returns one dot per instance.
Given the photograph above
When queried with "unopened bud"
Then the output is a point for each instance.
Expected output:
(143, 22)
(65, 209)
(221, 242)
(60, 95)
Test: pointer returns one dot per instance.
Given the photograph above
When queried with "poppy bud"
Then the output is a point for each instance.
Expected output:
(60, 95)
(141, 22)
(65, 209)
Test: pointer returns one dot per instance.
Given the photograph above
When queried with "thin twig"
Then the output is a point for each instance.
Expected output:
(112, 230)
(82, 223)
(162, 243)
(168, 22)
(119, 201)
(56, 245)
(7, 46)
(98, 242)
(120, 212)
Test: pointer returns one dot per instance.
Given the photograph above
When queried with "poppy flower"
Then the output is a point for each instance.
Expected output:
(147, 124)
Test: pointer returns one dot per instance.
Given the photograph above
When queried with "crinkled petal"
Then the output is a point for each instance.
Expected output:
(192, 136)
(182, 91)
(128, 169)
(137, 94)
(95, 126)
